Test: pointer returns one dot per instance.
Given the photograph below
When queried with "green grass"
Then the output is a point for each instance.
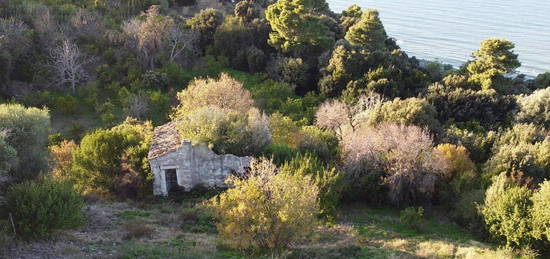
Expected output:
(383, 235)
(134, 214)
(172, 249)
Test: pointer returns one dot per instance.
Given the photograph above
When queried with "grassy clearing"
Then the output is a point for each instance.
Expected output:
(382, 235)
(168, 229)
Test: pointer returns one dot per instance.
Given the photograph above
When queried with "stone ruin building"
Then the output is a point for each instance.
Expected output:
(178, 165)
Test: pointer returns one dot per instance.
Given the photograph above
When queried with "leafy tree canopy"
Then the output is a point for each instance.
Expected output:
(369, 32)
(297, 25)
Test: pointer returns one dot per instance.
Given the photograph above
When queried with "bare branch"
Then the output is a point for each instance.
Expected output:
(68, 63)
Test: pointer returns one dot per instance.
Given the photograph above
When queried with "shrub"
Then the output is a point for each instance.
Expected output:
(115, 160)
(224, 93)
(541, 212)
(524, 162)
(280, 153)
(462, 172)
(271, 95)
(535, 108)
(39, 208)
(62, 159)
(465, 211)
(266, 209)
(411, 216)
(462, 105)
(328, 180)
(66, 104)
(8, 155)
(521, 152)
(226, 131)
(404, 154)
(319, 142)
(289, 70)
(506, 213)
(412, 111)
(284, 131)
(475, 139)
(27, 133)
(542, 80)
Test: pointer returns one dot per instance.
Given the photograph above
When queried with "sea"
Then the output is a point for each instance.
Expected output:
(449, 31)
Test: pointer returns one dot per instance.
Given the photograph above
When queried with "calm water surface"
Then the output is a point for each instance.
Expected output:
(450, 30)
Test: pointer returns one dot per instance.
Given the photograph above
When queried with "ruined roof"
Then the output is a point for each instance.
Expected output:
(165, 140)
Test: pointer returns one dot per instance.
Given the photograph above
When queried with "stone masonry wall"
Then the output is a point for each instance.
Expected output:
(195, 165)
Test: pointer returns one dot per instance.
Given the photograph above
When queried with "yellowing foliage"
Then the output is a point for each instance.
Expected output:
(266, 209)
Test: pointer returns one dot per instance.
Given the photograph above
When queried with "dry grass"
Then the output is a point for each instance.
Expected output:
(137, 229)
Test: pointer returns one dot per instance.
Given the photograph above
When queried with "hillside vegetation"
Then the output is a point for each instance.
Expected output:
(359, 151)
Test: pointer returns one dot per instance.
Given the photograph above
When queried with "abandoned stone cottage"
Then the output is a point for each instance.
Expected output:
(178, 165)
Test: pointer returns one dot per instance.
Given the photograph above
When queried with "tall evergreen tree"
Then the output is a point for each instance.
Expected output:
(298, 26)
(369, 32)
(494, 58)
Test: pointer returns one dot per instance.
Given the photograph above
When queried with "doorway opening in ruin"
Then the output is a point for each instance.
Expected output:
(171, 180)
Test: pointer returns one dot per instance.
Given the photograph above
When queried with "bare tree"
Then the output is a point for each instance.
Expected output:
(148, 36)
(405, 154)
(180, 40)
(68, 63)
(342, 118)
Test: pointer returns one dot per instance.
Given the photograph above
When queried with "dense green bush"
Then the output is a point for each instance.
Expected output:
(541, 212)
(462, 105)
(465, 212)
(298, 26)
(289, 70)
(8, 155)
(271, 95)
(66, 104)
(280, 153)
(206, 22)
(412, 111)
(542, 80)
(39, 208)
(492, 61)
(321, 143)
(506, 213)
(522, 153)
(27, 132)
(474, 137)
(368, 31)
(114, 161)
